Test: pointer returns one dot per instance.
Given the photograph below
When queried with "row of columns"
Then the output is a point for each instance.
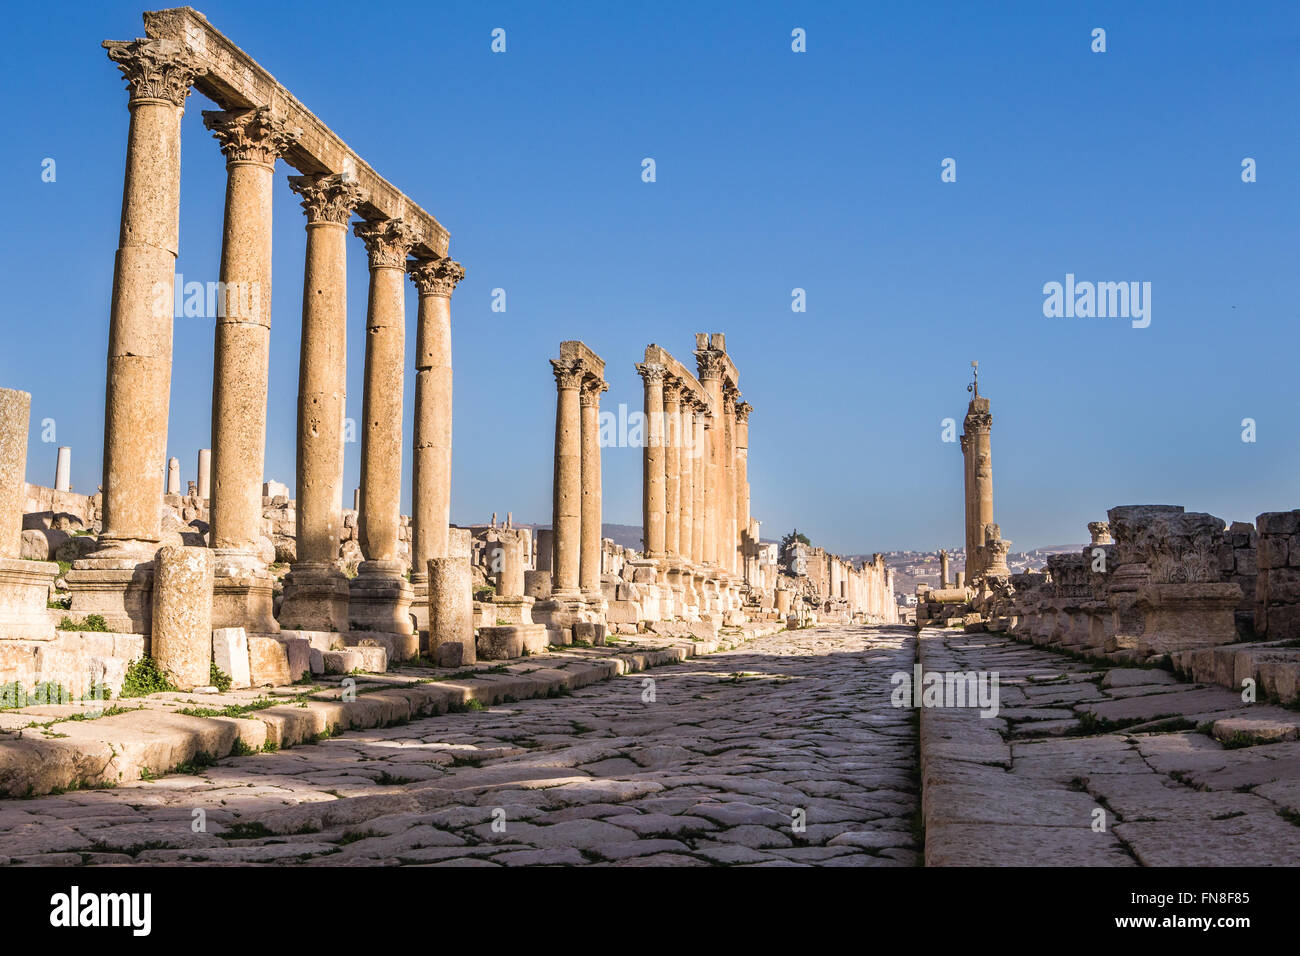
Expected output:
(576, 506)
(159, 74)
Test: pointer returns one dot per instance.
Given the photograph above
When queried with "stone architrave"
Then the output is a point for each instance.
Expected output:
(114, 581)
(381, 596)
(251, 141)
(181, 642)
(316, 591)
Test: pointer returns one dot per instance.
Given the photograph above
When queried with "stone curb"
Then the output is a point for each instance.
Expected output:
(153, 738)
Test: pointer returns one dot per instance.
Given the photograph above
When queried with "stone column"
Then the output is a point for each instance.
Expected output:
(114, 581)
(743, 544)
(710, 368)
(182, 615)
(943, 569)
(435, 280)
(205, 473)
(451, 603)
(381, 595)
(589, 556)
(24, 585)
(979, 481)
(315, 590)
(699, 482)
(672, 432)
(63, 470)
(727, 483)
(251, 141)
(566, 519)
(654, 479)
(686, 479)
(173, 476)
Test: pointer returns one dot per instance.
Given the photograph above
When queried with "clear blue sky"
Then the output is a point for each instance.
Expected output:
(776, 170)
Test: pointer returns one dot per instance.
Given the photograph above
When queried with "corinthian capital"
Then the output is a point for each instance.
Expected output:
(709, 364)
(591, 389)
(155, 69)
(251, 136)
(652, 372)
(742, 412)
(328, 198)
(672, 390)
(567, 374)
(436, 276)
(388, 241)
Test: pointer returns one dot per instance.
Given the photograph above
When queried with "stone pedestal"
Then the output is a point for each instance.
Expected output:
(243, 592)
(451, 598)
(316, 597)
(181, 642)
(380, 600)
(1182, 616)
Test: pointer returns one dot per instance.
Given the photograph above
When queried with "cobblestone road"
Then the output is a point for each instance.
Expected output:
(785, 751)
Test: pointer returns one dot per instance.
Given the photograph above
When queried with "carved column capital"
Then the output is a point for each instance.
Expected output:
(328, 198)
(387, 241)
(567, 374)
(651, 372)
(436, 276)
(251, 136)
(155, 69)
(709, 364)
(672, 390)
(742, 412)
(591, 389)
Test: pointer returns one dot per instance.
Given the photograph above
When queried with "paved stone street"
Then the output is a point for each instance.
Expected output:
(1179, 774)
(785, 751)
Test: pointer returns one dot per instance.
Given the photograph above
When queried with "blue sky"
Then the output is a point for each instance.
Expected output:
(775, 170)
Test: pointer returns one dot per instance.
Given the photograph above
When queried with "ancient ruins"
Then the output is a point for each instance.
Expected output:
(164, 626)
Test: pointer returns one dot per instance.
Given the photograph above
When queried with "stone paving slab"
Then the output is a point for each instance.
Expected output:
(1138, 779)
(785, 751)
(41, 753)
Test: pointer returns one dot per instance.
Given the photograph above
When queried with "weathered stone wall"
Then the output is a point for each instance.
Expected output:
(1277, 586)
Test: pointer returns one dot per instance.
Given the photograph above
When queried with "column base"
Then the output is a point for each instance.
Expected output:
(115, 582)
(315, 598)
(420, 605)
(561, 612)
(24, 593)
(243, 592)
(381, 598)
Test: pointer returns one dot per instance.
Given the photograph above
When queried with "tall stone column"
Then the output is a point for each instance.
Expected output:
(699, 483)
(672, 392)
(743, 544)
(243, 589)
(589, 558)
(116, 579)
(435, 280)
(710, 368)
(654, 478)
(381, 595)
(315, 590)
(977, 448)
(686, 479)
(566, 519)
(730, 530)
